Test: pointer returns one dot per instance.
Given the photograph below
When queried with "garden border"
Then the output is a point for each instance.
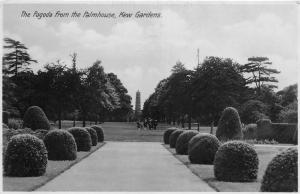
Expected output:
(51, 177)
(70, 166)
(187, 166)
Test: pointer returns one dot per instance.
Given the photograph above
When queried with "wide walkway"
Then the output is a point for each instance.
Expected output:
(128, 166)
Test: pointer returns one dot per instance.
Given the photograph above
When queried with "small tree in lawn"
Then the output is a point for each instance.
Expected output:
(229, 126)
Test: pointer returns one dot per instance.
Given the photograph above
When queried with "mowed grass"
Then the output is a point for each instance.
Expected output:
(54, 168)
(206, 172)
(127, 131)
(123, 131)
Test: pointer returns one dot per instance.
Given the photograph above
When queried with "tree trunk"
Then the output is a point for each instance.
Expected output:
(74, 121)
(198, 126)
(190, 121)
(182, 122)
(59, 118)
(83, 120)
(212, 127)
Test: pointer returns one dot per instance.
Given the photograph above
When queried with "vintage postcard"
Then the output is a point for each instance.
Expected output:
(149, 96)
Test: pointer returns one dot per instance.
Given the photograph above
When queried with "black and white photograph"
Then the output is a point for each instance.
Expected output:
(150, 96)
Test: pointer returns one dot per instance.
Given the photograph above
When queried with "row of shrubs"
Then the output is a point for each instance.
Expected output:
(28, 150)
(234, 160)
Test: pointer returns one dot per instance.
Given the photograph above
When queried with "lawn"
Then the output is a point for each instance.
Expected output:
(206, 173)
(54, 168)
(118, 131)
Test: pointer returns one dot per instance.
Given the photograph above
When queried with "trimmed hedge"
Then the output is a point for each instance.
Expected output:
(173, 137)
(93, 135)
(229, 126)
(202, 148)
(60, 145)
(26, 155)
(280, 132)
(183, 141)
(35, 118)
(281, 174)
(167, 134)
(100, 132)
(82, 138)
(250, 131)
(236, 161)
(40, 133)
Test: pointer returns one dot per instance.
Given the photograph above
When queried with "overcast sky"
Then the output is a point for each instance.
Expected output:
(142, 51)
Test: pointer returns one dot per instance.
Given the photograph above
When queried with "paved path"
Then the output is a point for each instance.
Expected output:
(128, 166)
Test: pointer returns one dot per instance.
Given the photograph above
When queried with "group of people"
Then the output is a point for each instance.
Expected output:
(147, 123)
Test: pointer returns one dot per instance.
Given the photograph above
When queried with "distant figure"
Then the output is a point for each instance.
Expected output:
(138, 125)
(150, 124)
(154, 124)
(145, 124)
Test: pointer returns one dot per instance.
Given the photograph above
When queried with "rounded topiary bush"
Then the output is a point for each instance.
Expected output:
(229, 126)
(202, 148)
(93, 135)
(35, 118)
(183, 141)
(25, 155)
(60, 145)
(281, 174)
(100, 132)
(167, 134)
(82, 138)
(236, 161)
(173, 137)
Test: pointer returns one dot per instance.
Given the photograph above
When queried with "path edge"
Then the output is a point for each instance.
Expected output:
(64, 170)
(188, 167)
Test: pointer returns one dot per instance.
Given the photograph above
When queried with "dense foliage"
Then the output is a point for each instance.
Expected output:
(201, 94)
(183, 141)
(93, 135)
(202, 148)
(167, 134)
(61, 90)
(173, 137)
(252, 110)
(35, 118)
(236, 161)
(281, 174)
(82, 138)
(229, 126)
(26, 155)
(60, 145)
(100, 132)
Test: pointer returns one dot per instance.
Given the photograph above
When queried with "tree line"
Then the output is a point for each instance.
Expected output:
(62, 91)
(201, 94)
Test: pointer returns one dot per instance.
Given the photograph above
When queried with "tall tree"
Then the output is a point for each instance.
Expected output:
(124, 107)
(17, 59)
(216, 84)
(53, 90)
(260, 73)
